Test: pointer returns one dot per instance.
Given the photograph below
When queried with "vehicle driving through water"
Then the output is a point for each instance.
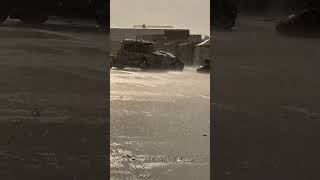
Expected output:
(142, 54)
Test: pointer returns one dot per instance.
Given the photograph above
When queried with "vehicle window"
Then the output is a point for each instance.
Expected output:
(133, 47)
(129, 47)
(308, 14)
(147, 48)
(125, 47)
(144, 48)
(139, 48)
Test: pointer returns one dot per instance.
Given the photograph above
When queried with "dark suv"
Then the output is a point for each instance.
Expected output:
(306, 22)
(142, 54)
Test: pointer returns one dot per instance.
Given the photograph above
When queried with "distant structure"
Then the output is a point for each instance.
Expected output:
(143, 26)
(151, 34)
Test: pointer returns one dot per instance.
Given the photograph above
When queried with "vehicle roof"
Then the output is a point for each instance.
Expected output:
(204, 43)
(134, 41)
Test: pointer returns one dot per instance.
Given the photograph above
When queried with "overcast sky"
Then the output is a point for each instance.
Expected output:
(190, 14)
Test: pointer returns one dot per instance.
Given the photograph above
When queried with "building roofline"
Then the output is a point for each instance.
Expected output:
(149, 29)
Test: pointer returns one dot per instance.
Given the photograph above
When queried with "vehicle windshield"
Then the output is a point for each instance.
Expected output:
(138, 47)
(146, 48)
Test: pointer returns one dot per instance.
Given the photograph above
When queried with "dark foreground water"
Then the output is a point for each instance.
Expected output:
(267, 106)
(52, 102)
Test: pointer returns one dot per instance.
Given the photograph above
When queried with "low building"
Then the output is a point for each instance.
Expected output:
(196, 38)
(118, 34)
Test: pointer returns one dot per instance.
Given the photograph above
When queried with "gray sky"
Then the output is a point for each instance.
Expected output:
(190, 14)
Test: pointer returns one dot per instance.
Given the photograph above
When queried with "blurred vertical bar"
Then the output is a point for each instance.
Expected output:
(265, 95)
(54, 95)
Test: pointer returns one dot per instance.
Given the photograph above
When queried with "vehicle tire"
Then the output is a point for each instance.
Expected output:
(178, 66)
(3, 17)
(144, 64)
(119, 67)
(34, 18)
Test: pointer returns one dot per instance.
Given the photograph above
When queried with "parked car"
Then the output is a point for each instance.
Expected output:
(142, 54)
(205, 68)
(306, 22)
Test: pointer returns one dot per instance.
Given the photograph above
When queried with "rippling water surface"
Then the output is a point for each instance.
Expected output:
(160, 124)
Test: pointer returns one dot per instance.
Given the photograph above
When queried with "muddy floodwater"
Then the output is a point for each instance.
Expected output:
(159, 124)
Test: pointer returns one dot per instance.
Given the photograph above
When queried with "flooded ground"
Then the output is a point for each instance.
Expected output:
(266, 95)
(160, 125)
(53, 101)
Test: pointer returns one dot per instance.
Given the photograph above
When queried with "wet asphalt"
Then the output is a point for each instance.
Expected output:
(159, 124)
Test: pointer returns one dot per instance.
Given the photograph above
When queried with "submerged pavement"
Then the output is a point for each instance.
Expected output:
(160, 125)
